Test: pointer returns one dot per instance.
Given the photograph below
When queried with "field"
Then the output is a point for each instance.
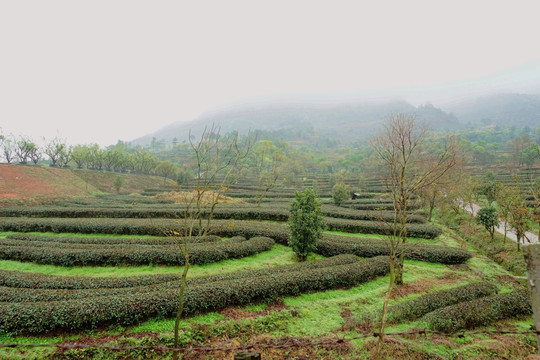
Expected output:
(100, 271)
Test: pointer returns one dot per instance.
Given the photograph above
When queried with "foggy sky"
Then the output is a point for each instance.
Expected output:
(99, 71)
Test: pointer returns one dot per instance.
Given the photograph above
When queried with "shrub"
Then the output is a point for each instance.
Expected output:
(331, 245)
(480, 312)
(416, 308)
(488, 217)
(340, 193)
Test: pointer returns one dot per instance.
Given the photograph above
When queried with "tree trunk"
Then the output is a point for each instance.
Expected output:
(532, 259)
(385, 306)
(180, 307)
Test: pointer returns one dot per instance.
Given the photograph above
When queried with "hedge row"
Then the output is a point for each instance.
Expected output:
(166, 240)
(379, 227)
(62, 254)
(158, 227)
(11, 294)
(90, 312)
(416, 308)
(480, 312)
(239, 212)
(331, 245)
(16, 279)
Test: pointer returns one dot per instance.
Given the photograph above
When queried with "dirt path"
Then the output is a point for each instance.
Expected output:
(531, 238)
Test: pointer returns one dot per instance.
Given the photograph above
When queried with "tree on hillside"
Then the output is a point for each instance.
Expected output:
(217, 159)
(53, 149)
(408, 168)
(305, 223)
(268, 161)
(519, 219)
(23, 148)
(489, 188)
(167, 170)
(488, 217)
(79, 155)
(340, 193)
(504, 199)
(8, 149)
(65, 156)
(35, 153)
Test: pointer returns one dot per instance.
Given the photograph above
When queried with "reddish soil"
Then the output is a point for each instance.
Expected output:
(36, 182)
(30, 184)
(424, 285)
(236, 313)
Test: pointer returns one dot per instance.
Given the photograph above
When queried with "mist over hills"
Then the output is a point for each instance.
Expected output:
(501, 109)
(347, 121)
(509, 97)
(353, 120)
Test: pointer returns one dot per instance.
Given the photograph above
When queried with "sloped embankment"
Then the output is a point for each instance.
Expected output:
(37, 184)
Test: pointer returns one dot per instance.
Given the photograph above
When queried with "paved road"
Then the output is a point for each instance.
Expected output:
(530, 237)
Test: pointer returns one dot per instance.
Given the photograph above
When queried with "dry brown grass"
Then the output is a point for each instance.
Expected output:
(208, 197)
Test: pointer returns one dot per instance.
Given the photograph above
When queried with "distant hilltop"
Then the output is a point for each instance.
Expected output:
(352, 120)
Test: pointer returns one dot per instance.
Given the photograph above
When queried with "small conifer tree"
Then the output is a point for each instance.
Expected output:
(305, 223)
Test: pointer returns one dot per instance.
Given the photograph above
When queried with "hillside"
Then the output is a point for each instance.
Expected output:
(502, 109)
(35, 184)
(345, 121)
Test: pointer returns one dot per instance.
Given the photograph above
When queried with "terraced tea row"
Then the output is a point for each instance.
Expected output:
(159, 227)
(89, 254)
(206, 294)
(174, 211)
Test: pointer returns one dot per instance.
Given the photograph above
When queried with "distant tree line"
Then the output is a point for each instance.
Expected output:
(117, 158)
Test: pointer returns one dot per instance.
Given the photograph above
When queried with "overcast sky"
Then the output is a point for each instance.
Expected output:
(99, 71)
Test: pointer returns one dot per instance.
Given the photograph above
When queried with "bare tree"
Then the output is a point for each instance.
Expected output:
(409, 168)
(217, 160)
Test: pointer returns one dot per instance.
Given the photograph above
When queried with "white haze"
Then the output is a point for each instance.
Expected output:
(99, 71)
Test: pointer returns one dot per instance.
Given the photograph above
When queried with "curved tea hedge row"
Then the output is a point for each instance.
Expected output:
(159, 227)
(416, 308)
(16, 294)
(166, 240)
(331, 245)
(17, 279)
(93, 311)
(480, 312)
(77, 254)
(226, 211)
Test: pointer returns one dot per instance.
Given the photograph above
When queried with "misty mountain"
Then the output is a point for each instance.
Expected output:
(343, 121)
(501, 109)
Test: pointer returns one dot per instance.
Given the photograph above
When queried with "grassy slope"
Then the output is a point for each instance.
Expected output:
(28, 184)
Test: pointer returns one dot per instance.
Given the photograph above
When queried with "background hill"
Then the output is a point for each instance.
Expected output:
(27, 184)
(501, 109)
(347, 121)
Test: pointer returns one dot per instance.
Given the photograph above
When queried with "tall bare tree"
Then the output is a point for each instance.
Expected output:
(408, 169)
(218, 159)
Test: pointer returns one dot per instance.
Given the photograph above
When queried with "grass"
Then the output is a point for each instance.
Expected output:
(382, 237)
